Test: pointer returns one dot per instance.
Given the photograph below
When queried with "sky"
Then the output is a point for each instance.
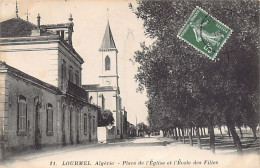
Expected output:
(90, 19)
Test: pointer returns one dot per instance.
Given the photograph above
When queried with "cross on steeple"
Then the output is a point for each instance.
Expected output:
(107, 14)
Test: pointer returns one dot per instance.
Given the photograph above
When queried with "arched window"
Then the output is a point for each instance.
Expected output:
(49, 119)
(90, 99)
(22, 115)
(107, 63)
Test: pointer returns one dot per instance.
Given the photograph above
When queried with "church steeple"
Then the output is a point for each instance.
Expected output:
(108, 51)
(108, 42)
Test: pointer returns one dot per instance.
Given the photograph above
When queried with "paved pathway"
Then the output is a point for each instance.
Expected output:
(141, 152)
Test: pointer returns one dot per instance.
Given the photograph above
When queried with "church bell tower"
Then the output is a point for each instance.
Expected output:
(108, 50)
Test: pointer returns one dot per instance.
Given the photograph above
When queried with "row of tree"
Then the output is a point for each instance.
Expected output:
(187, 90)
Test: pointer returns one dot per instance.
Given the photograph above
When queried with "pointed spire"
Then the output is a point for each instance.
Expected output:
(16, 11)
(108, 40)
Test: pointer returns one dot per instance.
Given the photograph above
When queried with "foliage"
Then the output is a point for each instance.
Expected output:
(142, 127)
(185, 88)
(106, 118)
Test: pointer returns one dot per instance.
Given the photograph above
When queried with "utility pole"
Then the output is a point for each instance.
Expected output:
(136, 126)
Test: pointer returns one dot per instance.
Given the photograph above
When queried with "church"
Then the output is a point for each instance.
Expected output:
(42, 101)
(106, 94)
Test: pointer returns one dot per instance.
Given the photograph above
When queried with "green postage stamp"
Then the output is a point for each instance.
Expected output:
(204, 33)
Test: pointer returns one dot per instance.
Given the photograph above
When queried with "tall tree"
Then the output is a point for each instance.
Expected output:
(186, 88)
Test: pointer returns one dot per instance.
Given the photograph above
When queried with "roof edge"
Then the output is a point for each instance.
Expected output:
(30, 78)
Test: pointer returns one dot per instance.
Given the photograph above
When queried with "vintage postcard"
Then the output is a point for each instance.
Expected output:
(129, 84)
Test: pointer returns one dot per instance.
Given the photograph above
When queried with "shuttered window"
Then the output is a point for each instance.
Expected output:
(71, 74)
(22, 115)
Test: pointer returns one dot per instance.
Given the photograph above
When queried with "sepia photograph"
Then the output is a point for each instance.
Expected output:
(129, 83)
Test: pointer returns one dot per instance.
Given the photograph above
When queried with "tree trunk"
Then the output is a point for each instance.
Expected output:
(193, 131)
(168, 134)
(212, 138)
(254, 132)
(228, 132)
(235, 138)
(241, 133)
(198, 137)
(171, 133)
(179, 132)
(204, 131)
(190, 136)
(220, 130)
(201, 132)
(183, 135)
(164, 134)
(175, 132)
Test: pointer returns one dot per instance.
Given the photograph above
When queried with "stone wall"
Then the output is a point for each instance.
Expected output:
(33, 93)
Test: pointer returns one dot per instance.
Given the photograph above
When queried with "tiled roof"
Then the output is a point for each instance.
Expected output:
(16, 27)
(108, 41)
(9, 68)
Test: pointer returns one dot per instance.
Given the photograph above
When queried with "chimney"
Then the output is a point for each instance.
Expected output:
(37, 32)
(38, 21)
(70, 18)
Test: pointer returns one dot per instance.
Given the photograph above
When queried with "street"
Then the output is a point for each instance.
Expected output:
(139, 152)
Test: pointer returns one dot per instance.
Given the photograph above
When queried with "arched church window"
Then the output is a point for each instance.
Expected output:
(107, 63)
